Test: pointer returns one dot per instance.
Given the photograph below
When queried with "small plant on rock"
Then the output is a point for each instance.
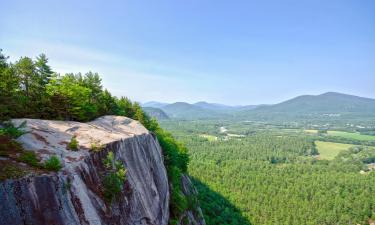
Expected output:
(73, 144)
(96, 147)
(53, 164)
(11, 172)
(115, 177)
(29, 157)
(7, 128)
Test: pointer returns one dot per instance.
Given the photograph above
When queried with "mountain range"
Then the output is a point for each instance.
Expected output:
(327, 105)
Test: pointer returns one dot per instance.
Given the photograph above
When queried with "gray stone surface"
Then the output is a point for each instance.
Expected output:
(74, 195)
(192, 216)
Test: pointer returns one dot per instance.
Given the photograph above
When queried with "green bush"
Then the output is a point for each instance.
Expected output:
(112, 186)
(9, 146)
(11, 172)
(114, 179)
(96, 147)
(30, 158)
(8, 129)
(53, 164)
(73, 144)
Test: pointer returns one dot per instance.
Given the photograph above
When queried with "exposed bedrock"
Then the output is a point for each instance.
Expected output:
(74, 195)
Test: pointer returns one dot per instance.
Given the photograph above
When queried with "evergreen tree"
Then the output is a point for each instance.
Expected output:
(43, 69)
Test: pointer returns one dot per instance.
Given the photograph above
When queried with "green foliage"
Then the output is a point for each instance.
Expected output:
(216, 208)
(96, 147)
(114, 179)
(10, 130)
(73, 144)
(351, 135)
(112, 186)
(273, 177)
(8, 146)
(11, 172)
(53, 164)
(30, 158)
(176, 161)
(357, 155)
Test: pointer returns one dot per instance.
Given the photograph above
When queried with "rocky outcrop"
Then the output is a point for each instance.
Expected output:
(74, 195)
(194, 215)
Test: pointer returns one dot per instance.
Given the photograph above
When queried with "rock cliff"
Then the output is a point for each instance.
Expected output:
(74, 195)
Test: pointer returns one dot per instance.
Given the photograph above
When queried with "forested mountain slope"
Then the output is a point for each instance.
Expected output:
(329, 105)
(155, 113)
(185, 110)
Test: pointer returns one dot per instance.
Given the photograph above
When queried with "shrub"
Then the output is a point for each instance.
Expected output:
(114, 179)
(30, 158)
(73, 144)
(11, 172)
(10, 130)
(53, 164)
(112, 186)
(96, 147)
(9, 146)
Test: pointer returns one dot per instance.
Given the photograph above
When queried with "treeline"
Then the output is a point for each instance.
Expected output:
(344, 140)
(29, 88)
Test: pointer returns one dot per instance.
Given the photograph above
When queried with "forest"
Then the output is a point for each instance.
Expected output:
(29, 88)
(275, 176)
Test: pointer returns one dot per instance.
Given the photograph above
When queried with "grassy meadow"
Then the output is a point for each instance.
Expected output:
(329, 150)
(349, 135)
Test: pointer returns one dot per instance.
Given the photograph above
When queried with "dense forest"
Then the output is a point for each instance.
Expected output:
(31, 89)
(275, 177)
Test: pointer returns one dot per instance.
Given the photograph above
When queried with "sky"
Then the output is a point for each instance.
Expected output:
(236, 52)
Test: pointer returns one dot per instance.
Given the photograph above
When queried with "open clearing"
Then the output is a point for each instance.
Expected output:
(329, 150)
(356, 136)
(209, 137)
(311, 131)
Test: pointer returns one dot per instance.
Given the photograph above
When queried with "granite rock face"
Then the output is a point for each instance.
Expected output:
(74, 195)
(192, 216)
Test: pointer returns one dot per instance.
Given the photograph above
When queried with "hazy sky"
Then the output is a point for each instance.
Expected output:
(233, 52)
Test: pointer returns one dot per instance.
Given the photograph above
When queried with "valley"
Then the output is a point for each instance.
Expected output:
(274, 174)
(305, 168)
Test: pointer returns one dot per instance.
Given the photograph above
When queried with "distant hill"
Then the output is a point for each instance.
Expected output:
(330, 104)
(156, 113)
(185, 110)
(201, 110)
(154, 104)
(223, 108)
(327, 106)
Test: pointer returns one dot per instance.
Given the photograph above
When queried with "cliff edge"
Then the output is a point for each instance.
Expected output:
(74, 194)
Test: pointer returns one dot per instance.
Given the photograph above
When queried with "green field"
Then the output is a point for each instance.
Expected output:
(209, 137)
(311, 131)
(329, 150)
(356, 136)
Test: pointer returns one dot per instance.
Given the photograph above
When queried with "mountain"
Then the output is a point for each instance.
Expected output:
(185, 110)
(198, 110)
(213, 106)
(156, 113)
(154, 104)
(223, 108)
(330, 104)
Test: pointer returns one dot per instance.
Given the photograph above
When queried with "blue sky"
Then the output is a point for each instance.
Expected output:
(232, 52)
